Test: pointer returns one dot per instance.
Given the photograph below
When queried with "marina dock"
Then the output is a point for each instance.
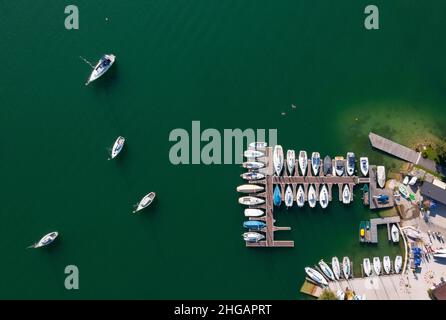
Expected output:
(375, 191)
(374, 223)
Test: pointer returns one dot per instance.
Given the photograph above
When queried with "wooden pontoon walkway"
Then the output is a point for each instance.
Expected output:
(374, 223)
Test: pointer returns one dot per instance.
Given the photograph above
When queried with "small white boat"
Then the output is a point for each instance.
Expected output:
(350, 163)
(377, 265)
(367, 267)
(395, 233)
(252, 236)
(406, 180)
(250, 201)
(258, 145)
(346, 197)
(346, 267)
(315, 162)
(300, 197)
(413, 233)
(251, 176)
(288, 197)
(278, 159)
(398, 264)
(102, 67)
(291, 161)
(312, 196)
(316, 276)
(413, 181)
(249, 188)
(117, 147)
(386, 264)
(323, 197)
(254, 213)
(303, 162)
(364, 163)
(145, 202)
(339, 166)
(253, 165)
(253, 154)
(336, 267)
(381, 176)
(46, 240)
(326, 270)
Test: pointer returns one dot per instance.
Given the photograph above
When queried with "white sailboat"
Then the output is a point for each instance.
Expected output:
(253, 165)
(395, 233)
(255, 213)
(253, 154)
(145, 201)
(316, 276)
(250, 201)
(315, 162)
(367, 267)
(413, 233)
(364, 163)
(386, 264)
(323, 197)
(249, 188)
(117, 147)
(289, 197)
(350, 163)
(252, 236)
(278, 159)
(312, 196)
(303, 162)
(398, 264)
(102, 67)
(346, 195)
(252, 175)
(381, 176)
(336, 267)
(326, 270)
(300, 197)
(377, 265)
(339, 166)
(291, 161)
(258, 145)
(46, 240)
(346, 267)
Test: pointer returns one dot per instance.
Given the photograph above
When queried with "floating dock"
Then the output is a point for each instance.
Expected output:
(375, 191)
(374, 223)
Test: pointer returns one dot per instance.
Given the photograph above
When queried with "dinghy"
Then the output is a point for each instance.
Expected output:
(346, 195)
(364, 164)
(278, 159)
(253, 154)
(254, 225)
(398, 264)
(102, 67)
(250, 201)
(252, 236)
(326, 270)
(145, 202)
(303, 162)
(300, 197)
(346, 267)
(377, 265)
(249, 188)
(46, 240)
(312, 197)
(291, 161)
(251, 176)
(367, 267)
(288, 197)
(395, 233)
(386, 264)
(336, 267)
(253, 165)
(323, 197)
(255, 213)
(316, 276)
(117, 147)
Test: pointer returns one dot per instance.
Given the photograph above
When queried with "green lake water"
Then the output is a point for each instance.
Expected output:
(229, 64)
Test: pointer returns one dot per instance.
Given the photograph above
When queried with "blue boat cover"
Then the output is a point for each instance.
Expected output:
(277, 198)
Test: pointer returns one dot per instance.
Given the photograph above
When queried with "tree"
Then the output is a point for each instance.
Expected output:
(327, 294)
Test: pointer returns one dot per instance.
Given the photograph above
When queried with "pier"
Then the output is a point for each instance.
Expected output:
(374, 223)
(375, 191)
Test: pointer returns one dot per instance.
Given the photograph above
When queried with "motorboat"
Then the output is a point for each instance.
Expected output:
(386, 264)
(336, 268)
(413, 181)
(252, 175)
(326, 270)
(316, 276)
(303, 162)
(377, 265)
(346, 196)
(395, 233)
(312, 196)
(253, 154)
(323, 197)
(413, 233)
(381, 176)
(300, 197)
(364, 164)
(367, 267)
(346, 267)
(328, 165)
(406, 180)
(249, 188)
(255, 213)
(339, 166)
(351, 162)
(250, 201)
(362, 229)
(252, 236)
(289, 197)
(315, 162)
(403, 190)
(253, 165)
(145, 201)
(117, 147)
(278, 159)
(46, 240)
(101, 67)
(398, 263)
(258, 145)
(254, 225)
(277, 198)
(291, 161)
